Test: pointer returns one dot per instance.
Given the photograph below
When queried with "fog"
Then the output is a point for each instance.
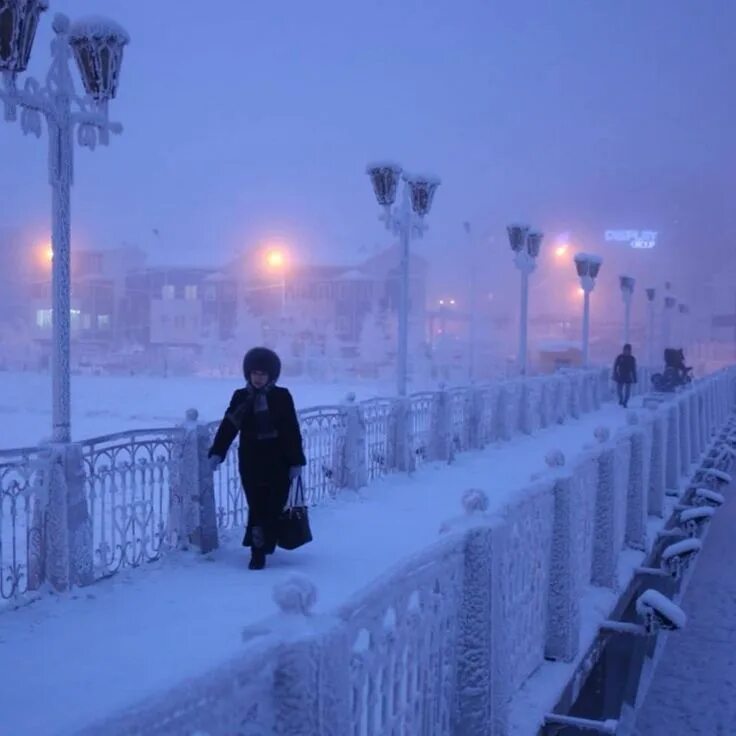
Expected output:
(247, 131)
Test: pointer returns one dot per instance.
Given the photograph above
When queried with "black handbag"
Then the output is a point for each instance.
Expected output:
(293, 527)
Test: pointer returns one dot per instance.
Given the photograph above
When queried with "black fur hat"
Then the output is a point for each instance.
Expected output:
(262, 359)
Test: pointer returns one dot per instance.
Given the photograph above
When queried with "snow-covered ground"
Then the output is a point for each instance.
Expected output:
(88, 654)
(693, 690)
(106, 404)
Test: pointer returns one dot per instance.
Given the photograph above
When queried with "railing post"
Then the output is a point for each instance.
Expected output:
(57, 524)
(192, 512)
(355, 471)
(440, 427)
(403, 451)
(311, 681)
(81, 559)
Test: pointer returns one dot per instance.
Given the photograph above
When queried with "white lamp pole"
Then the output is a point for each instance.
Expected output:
(525, 244)
(587, 267)
(405, 221)
(684, 311)
(97, 44)
(651, 294)
(627, 292)
(669, 307)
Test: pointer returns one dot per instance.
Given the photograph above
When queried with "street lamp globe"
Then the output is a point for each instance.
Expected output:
(18, 24)
(534, 242)
(421, 192)
(385, 180)
(581, 264)
(627, 285)
(517, 236)
(98, 45)
(651, 294)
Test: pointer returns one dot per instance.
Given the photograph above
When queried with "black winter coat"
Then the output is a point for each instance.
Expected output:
(624, 369)
(262, 461)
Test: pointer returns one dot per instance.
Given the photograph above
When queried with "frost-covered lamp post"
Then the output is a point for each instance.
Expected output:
(404, 221)
(97, 45)
(627, 293)
(651, 294)
(587, 267)
(525, 244)
(684, 335)
(669, 307)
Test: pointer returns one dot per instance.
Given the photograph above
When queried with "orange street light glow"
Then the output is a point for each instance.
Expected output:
(275, 259)
(561, 250)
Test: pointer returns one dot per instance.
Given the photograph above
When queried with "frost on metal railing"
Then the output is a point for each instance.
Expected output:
(379, 416)
(128, 491)
(230, 503)
(323, 431)
(460, 418)
(403, 634)
(22, 521)
(420, 424)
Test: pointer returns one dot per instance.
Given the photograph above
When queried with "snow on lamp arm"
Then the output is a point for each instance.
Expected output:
(405, 220)
(97, 45)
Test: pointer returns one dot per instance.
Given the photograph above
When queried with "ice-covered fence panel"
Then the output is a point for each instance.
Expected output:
(22, 513)
(403, 636)
(672, 467)
(379, 416)
(487, 397)
(610, 512)
(522, 546)
(695, 447)
(235, 698)
(323, 431)
(571, 557)
(657, 465)
(684, 422)
(128, 485)
(638, 486)
(461, 417)
(420, 424)
(229, 497)
(574, 380)
(531, 405)
(508, 415)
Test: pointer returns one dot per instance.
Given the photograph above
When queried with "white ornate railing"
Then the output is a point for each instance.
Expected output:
(120, 500)
(128, 485)
(22, 523)
(442, 643)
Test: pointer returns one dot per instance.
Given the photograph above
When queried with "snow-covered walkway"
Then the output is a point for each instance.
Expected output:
(693, 691)
(69, 661)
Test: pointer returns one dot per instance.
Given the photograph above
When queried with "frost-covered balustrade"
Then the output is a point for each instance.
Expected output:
(74, 513)
(456, 639)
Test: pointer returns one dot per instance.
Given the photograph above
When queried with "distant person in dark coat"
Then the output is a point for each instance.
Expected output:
(624, 374)
(270, 454)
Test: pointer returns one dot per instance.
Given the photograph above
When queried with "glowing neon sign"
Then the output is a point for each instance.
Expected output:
(639, 239)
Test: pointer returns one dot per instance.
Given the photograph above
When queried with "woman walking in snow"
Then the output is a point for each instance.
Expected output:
(270, 455)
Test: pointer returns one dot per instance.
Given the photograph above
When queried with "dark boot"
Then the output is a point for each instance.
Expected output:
(257, 559)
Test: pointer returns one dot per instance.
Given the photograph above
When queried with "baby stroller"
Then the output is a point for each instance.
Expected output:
(675, 373)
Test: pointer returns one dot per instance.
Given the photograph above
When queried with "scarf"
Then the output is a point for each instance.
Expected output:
(265, 429)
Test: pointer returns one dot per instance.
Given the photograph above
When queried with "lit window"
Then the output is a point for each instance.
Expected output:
(43, 318)
(86, 321)
(103, 321)
(190, 293)
(167, 291)
(75, 317)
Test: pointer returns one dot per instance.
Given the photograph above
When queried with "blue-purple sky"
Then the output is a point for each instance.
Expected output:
(245, 120)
